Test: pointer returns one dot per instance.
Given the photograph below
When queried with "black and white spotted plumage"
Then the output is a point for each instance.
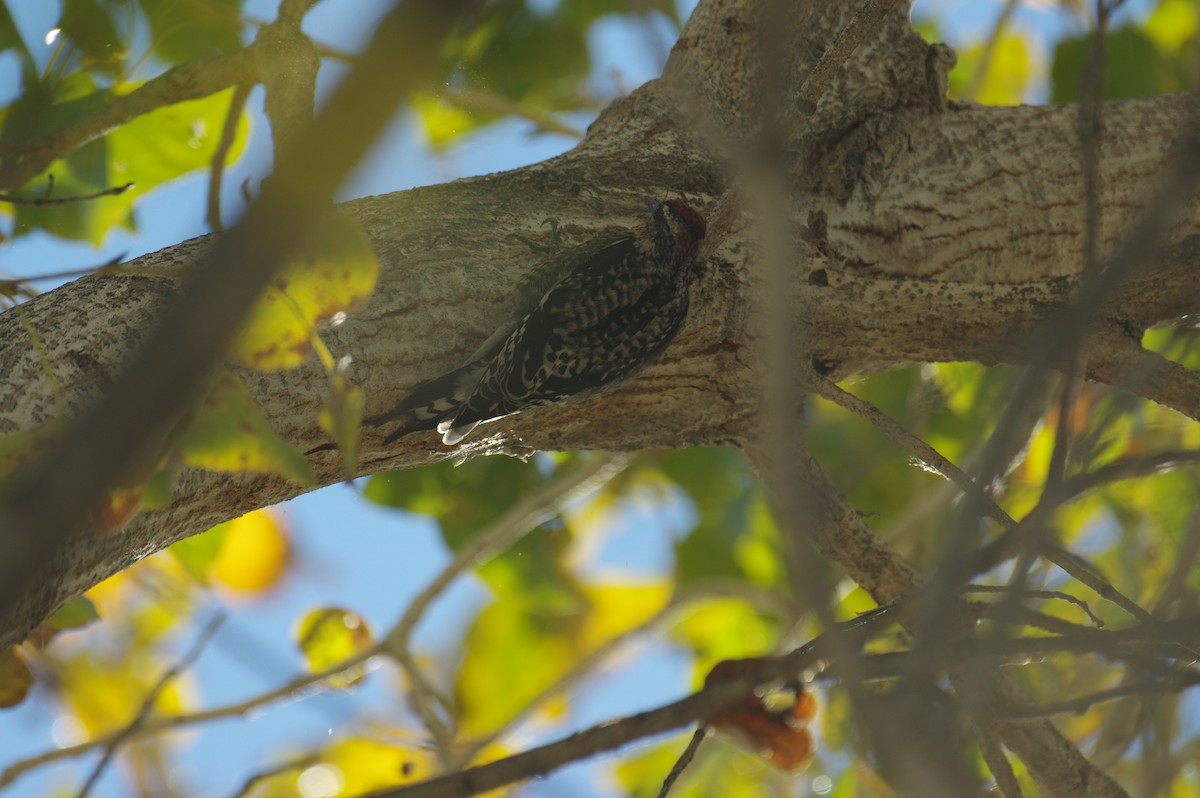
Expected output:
(618, 307)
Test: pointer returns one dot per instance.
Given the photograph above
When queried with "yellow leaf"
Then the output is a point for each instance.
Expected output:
(106, 694)
(1009, 71)
(335, 273)
(229, 433)
(443, 122)
(253, 554)
(331, 635)
(616, 609)
(367, 765)
(1172, 23)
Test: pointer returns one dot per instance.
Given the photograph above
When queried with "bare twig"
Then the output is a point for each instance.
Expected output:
(42, 202)
(535, 508)
(685, 759)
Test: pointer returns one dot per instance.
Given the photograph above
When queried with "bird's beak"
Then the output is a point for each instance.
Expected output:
(651, 204)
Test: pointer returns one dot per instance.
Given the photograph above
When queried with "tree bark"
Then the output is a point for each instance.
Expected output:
(918, 230)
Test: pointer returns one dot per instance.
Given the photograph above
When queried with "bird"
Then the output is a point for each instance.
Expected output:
(618, 304)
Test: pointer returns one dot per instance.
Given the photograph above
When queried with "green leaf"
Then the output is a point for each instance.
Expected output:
(1136, 68)
(190, 30)
(467, 499)
(229, 433)
(197, 553)
(90, 27)
(152, 149)
(735, 536)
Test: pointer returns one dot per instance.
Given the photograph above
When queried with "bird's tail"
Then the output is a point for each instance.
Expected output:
(431, 402)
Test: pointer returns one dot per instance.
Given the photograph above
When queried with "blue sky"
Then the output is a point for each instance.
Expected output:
(348, 549)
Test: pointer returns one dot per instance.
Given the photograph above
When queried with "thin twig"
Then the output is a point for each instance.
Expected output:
(535, 508)
(685, 759)
(237, 709)
(43, 202)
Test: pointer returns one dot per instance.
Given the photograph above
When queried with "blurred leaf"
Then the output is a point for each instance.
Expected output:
(735, 536)
(15, 677)
(150, 150)
(331, 635)
(723, 628)
(466, 500)
(535, 58)
(229, 433)
(10, 39)
(90, 27)
(511, 655)
(514, 650)
(335, 273)
(367, 765)
(105, 693)
(444, 122)
(1136, 68)
(1009, 72)
(617, 608)
(190, 30)
(77, 613)
(23, 447)
(254, 551)
(1172, 23)
(341, 417)
(197, 553)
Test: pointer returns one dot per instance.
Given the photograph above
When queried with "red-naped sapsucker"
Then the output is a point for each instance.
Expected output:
(618, 305)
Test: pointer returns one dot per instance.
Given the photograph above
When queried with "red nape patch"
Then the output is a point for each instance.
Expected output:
(689, 214)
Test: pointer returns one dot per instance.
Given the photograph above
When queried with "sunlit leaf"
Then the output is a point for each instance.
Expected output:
(106, 693)
(335, 273)
(229, 433)
(723, 628)
(330, 635)
(253, 552)
(367, 765)
(510, 656)
(1009, 71)
(1172, 23)
(150, 150)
